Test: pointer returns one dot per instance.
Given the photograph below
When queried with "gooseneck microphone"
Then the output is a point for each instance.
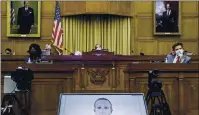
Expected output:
(69, 51)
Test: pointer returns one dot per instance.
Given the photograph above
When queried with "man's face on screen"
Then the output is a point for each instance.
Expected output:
(103, 107)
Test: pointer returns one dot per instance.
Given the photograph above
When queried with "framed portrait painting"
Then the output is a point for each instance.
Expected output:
(167, 18)
(23, 18)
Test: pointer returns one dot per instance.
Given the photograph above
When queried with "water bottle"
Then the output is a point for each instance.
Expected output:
(165, 60)
(29, 61)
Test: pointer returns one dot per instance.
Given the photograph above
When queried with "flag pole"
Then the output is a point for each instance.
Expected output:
(58, 51)
(56, 48)
(57, 38)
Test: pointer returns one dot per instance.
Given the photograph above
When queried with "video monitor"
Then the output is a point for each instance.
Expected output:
(102, 104)
(9, 84)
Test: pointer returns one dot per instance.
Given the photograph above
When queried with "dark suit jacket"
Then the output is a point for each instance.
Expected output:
(25, 19)
(169, 22)
(171, 57)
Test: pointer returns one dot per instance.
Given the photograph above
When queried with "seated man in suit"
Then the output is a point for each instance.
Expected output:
(178, 55)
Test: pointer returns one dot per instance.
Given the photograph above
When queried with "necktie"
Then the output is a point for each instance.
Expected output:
(178, 59)
(168, 12)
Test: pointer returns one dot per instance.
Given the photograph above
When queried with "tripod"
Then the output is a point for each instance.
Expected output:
(160, 108)
(8, 103)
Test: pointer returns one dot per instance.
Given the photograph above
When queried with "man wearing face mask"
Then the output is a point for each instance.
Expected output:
(178, 56)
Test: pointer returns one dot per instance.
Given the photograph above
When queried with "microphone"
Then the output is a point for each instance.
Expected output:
(188, 53)
(132, 52)
(69, 51)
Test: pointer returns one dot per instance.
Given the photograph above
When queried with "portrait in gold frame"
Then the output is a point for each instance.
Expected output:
(21, 21)
(167, 18)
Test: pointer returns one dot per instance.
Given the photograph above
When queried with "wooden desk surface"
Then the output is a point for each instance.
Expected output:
(82, 58)
(146, 67)
(5, 67)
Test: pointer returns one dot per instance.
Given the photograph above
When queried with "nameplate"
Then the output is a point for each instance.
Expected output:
(45, 62)
(23, 35)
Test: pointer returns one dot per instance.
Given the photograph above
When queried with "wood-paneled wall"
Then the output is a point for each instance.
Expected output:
(142, 29)
(142, 38)
(93, 7)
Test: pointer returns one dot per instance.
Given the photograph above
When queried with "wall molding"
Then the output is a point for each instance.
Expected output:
(143, 15)
(196, 15)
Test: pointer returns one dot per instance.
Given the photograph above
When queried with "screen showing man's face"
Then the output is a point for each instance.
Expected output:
(103, 107)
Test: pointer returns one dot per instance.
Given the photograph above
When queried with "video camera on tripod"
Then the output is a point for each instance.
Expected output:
(23, 78)
(154, 85)
(156, 96)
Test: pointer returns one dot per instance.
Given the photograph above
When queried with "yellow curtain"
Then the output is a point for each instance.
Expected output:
(82, 32)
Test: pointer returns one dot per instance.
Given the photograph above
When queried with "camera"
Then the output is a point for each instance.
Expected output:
(155, 95)
(154, 84)
(23, 77)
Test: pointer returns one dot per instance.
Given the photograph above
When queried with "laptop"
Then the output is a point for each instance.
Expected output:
(45, 52)
(102, 104)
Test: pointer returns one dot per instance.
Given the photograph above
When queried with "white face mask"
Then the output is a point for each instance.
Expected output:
(180, 52)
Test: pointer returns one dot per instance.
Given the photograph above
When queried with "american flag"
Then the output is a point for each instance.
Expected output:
(12, 13)
(57, 37)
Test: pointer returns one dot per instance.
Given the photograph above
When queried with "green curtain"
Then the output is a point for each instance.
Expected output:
(82, 32)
